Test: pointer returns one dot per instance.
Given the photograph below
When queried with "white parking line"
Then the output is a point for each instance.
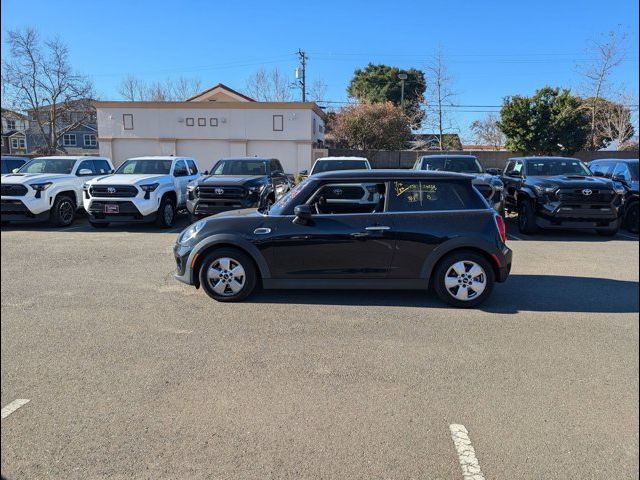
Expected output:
(466, 453)
(13, 406)
(627, 236)
(514, 236)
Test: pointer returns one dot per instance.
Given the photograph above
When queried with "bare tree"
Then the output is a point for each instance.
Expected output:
(439, 95)
(317, 91)
(38, 79)
(270, 86)
(170, 90)
(486, 131)
(615, 120)
(608, 53)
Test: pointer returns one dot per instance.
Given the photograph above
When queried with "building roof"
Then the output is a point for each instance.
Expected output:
(13, 113)
(207, 94)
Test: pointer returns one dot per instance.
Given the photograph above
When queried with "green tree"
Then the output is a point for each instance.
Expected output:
(370, 126)
(552, 121)
(380, 83)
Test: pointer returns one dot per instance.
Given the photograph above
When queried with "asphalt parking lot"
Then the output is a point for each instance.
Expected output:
(130, 374)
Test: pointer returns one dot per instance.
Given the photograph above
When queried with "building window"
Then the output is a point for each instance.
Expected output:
(190, 122)
(202, 122)
(69, 140)
(278, 123)
(127, 121)
(11, 124)
(90, 140)
(18, 142)
(213, 122)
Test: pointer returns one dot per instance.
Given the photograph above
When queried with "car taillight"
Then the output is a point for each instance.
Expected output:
(502, 228)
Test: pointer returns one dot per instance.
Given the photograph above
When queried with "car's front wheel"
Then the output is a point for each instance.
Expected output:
(63, 211)
(527, 218)
(464, 279)
(228, 275)
(632, 222)
(166, 213)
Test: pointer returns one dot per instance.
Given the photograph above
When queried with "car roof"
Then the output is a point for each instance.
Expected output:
(543, 158)
(383, 174)
(244, 159)
(72, 157)
(160, 157)
(444, 155)
(14, 157)
(342, 158)
(624, 160)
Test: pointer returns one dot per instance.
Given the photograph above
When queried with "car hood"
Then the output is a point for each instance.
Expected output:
(485, 179)
(27, 178)
(571, 181)
(124, 179)
(229, 179)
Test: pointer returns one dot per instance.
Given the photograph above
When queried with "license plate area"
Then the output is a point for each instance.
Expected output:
(111, 208)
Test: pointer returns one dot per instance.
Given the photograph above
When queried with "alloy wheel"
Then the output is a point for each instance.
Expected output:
(226, 276)
(168, 214)
(66, 212)
(465, 280)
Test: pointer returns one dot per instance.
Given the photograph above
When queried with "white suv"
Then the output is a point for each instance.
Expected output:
(142, 189)
(49, 188)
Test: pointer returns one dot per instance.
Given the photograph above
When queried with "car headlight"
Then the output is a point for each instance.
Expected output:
(256, 189)
(149, 187)
(38, 187)
(192, 187)
(542, 189)
(498, 187)
(191, 231)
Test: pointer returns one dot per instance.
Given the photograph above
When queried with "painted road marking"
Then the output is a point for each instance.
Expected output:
(13, 406)
(513, 236)
(627, 236)
(466, 453)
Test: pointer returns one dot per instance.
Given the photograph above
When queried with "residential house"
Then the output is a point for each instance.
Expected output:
(14, 126)
(219, 122)
(81, 138)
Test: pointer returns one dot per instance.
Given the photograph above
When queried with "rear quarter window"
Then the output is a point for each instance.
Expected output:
(432, 196)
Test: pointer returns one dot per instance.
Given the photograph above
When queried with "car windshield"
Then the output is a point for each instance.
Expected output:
(283, 202)
(48, 165)
(633, 166)
(240, 167)
(451, 164)
(552, 167)
(332, 165)
(147, 166)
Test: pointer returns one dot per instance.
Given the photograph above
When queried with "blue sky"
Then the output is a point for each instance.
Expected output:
(493, 48)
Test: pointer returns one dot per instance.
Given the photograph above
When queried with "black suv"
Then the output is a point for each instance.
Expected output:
(486, 181)
(234, 183)
(354, 229)
(559, 192)
(624, 171)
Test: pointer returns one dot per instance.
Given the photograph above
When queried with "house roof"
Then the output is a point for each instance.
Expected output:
(13, 113)
(218, 89)
(11, 133)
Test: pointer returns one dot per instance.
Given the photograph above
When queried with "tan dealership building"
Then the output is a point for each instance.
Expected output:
(216, 123)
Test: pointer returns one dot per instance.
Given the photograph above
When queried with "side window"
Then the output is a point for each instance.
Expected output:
(192, 167)
(430, 196)
(180, 170)
(509, 168)
(622, 170)
(86, 165)
(101, 166)
(342, 198)
(518, 167)
(279, 166)
(275, 167)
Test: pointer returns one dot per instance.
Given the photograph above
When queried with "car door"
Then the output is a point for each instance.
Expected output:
(180, 180)
(333, 245)
(512, 180)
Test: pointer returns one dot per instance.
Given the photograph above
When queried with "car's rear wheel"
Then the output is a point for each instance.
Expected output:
(63, 211)
(631, 218)
(464, 279)
(527, 218)
(166, 213)
(228, 275)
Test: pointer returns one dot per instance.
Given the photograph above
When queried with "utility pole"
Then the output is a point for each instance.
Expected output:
(402, 77)
(301, 73)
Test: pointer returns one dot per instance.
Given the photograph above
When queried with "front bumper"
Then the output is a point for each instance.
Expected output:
(563, 215)
(201, 208)
(33, 205)
(17, 210)
(128, 212)
(184, 260)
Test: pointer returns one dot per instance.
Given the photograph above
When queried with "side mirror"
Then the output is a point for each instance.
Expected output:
(493, 171)
(304, 173)
(206, 172)
(15, 170)
(112, 171)
(303, 214)
(619, 178)
(514, 174)
(84, 171)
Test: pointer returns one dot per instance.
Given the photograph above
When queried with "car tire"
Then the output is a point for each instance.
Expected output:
(218, 279)
(166, 213)
(99, 224)
(527, 218)
(464, 279)
(63, 212)
(631, 222)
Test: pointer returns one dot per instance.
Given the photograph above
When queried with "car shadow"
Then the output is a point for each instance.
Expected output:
(559, 235)
(535, 293)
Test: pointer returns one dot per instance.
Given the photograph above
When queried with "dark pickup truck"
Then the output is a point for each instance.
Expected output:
(234, 183)
(559, 192)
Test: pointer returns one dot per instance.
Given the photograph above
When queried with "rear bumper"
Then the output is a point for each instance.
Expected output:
(504, 260)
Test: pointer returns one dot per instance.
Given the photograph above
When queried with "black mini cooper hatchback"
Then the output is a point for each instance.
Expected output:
(357, 229)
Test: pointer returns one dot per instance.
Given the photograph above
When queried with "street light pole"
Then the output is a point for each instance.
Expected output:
(402, 77)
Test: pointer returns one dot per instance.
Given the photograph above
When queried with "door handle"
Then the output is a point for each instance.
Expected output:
(262, 231)
(377, 228)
